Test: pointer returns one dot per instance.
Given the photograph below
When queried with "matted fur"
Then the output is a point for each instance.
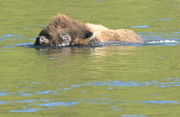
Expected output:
(62, 23)
(103, 34)
(63, 31)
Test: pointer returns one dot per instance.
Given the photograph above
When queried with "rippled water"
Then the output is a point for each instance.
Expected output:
(113, 80)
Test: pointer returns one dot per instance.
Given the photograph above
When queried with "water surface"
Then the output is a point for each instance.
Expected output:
(109, 81)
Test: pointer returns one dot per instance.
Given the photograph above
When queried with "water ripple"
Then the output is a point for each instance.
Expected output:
(141, 26)
(129, 115)
(58, 104)
(160, 102)
(133, 84)
(23, 44)
(3, 93)
(26, 110)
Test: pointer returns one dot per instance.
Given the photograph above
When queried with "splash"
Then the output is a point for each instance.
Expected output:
(162, 42)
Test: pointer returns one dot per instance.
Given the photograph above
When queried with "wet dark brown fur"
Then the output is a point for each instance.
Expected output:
(61, 31)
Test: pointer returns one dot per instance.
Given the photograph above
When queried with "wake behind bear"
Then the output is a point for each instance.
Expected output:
(65, 31)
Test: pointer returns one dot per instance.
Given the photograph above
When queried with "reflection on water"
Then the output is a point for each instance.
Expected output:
(109, 85)
(153, 83)
(133, 84)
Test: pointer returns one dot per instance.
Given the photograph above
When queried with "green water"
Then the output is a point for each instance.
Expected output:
(111, 81)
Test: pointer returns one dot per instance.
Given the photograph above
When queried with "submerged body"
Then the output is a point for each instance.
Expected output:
(62, 31)
(103, 34)
(65, 31)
